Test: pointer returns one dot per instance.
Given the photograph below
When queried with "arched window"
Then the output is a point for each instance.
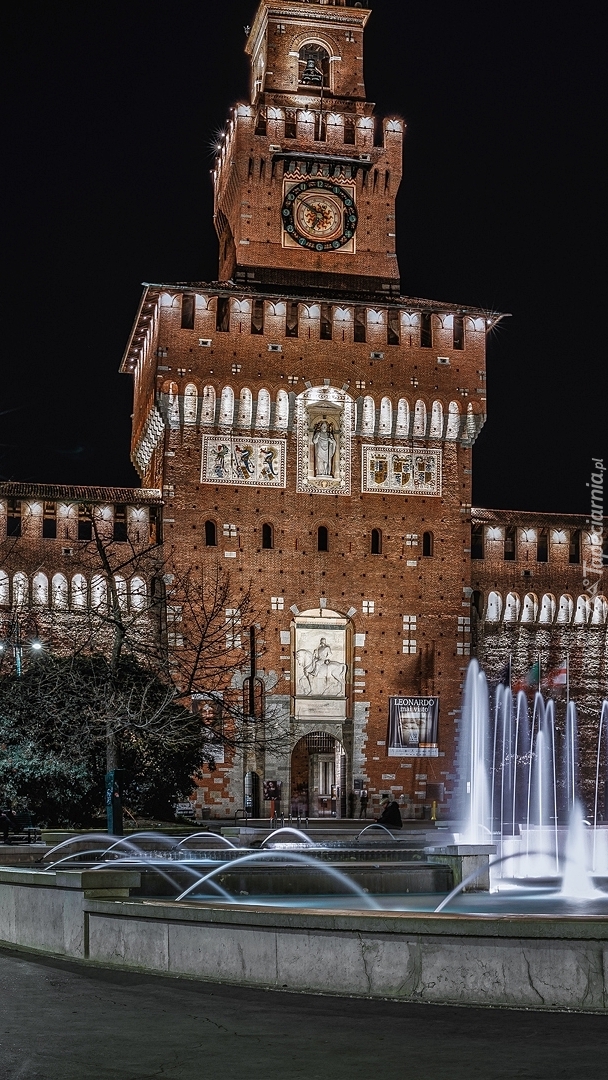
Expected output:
(79, 591)
(267, 536)
(453, 427)
(190, 404)
(600, 611)
(314, 66)
(208, 406)
(121, 591)
(245, 407)
(4, 589)
(386, 417)
(210, 534)
(402, 428)
(565, 610)
(368, 418)
(59, 592)
(574, 553)
(376, 544)
(20, 588)
(583, 607)
(99, 591)
(138, 594)
(282, 410)
(494, 609)
(420, 419)
(322, 538)
(227, 406)
(262, 416)
(547, 608)
(530, 608)
(436, 420)
(427, 544)
(40, 589)
(512, 607)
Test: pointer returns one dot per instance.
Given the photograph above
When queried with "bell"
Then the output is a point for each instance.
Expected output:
(311, 74)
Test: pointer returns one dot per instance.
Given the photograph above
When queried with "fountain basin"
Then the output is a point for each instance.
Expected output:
(534, 961)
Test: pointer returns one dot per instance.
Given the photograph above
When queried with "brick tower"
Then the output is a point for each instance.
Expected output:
(311, 429)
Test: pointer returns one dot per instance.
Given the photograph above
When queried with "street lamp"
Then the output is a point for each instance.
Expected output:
(13, 640)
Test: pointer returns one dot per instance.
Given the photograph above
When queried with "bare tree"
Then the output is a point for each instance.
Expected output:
(155, 654)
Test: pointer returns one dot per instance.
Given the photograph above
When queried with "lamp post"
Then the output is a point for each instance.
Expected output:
(13, 640)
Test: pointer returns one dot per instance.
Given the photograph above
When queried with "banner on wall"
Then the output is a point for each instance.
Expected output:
(413, 725)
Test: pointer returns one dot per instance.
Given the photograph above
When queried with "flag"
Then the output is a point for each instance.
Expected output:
(529, 681)
(557, 676)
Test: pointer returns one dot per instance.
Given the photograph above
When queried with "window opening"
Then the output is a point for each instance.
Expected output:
(257, 317)
(85, 525)
(322, 538)
(292, 320)
(574, 555)
(477, 542)
(13, 518)
(260, 128)
(459, 331)
(267, 536)
(394, 328)
(427, 544)
(376, 544)
(120, 524)
(188, 307)
(510, 545)
(349, 130)
(314, 66)
(49, 521)
(291, 130)
(222, 321)
(326, 322)
(426, 331)
(360, 325)
(210, 534)
(542, 546)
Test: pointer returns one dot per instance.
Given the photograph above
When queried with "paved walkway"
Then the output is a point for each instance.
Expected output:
(62, 1021)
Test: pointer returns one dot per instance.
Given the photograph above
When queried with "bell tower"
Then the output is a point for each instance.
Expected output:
(306, 176)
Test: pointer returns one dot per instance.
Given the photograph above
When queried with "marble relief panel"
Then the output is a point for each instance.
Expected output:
(387, 469)
(251, 462)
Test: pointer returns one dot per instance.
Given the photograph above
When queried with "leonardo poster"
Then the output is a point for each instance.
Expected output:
(401, 472)
(412, 727)
(252, 462)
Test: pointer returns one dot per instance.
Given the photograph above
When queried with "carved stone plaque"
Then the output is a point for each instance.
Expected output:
(251, 462)
(390, 470)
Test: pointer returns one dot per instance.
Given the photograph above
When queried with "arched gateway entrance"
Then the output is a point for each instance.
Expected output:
(318, 776)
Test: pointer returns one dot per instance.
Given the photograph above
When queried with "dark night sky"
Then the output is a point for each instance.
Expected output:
(110, 111)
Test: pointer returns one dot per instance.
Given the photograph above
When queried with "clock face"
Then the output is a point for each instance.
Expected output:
(319, 215)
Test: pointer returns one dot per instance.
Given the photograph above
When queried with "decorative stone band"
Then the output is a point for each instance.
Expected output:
(389, 470)
(151, 436)
(248, 462)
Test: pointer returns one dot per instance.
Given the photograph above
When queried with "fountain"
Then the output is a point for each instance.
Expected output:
(370, 913)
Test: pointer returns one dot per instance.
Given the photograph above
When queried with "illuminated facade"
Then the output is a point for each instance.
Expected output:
(309, 430)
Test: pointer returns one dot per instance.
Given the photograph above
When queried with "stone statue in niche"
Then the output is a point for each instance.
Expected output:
(324, 448)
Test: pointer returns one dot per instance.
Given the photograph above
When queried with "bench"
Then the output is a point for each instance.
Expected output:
(23, 830)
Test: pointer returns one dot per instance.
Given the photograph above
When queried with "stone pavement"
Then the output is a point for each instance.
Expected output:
(63, 1021)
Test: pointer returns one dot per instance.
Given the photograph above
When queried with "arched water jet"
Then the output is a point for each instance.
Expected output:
(288, 856)
(376, 825)
(207, 835)
(288, 829)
